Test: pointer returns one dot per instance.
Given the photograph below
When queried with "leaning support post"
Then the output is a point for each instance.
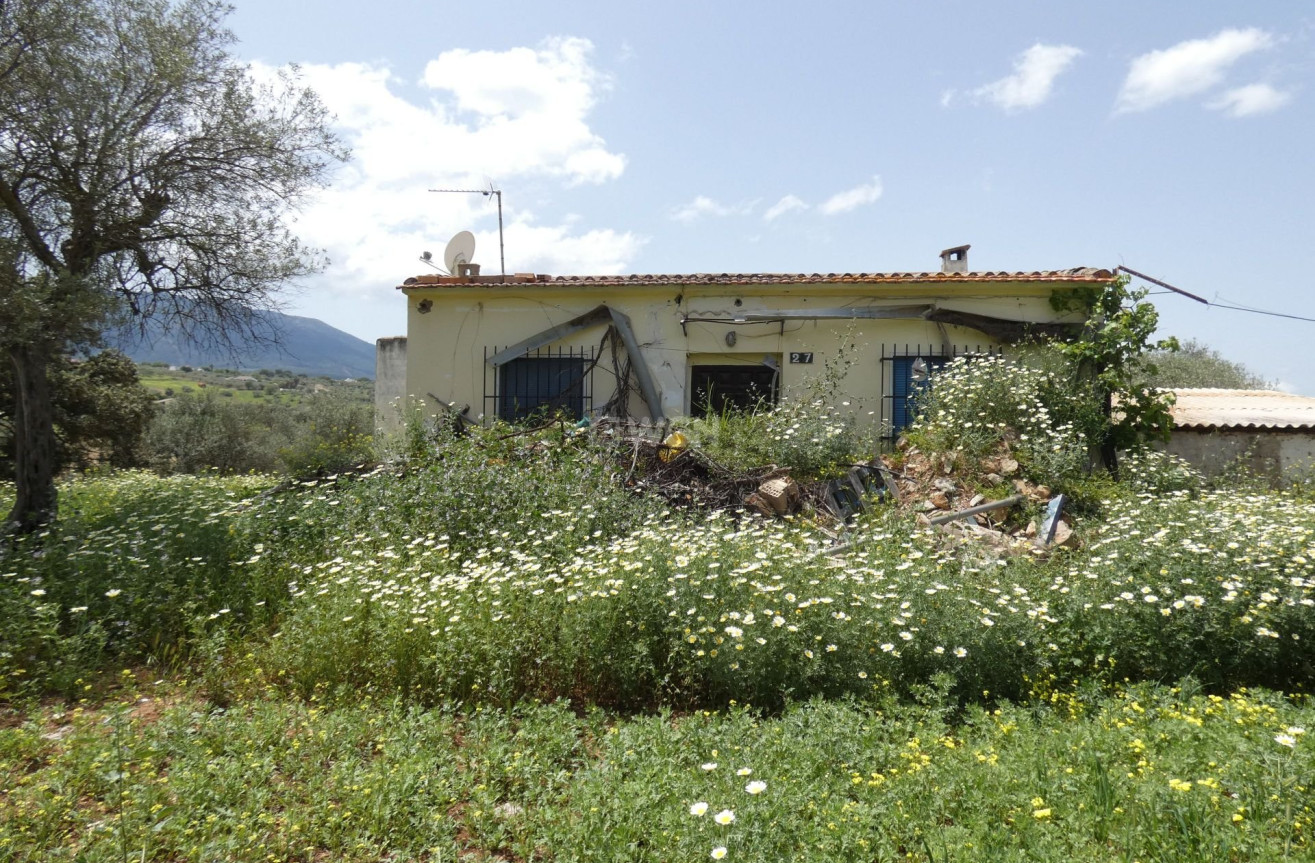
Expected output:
(646, 384)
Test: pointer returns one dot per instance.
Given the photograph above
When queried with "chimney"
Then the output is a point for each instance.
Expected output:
(955, 260)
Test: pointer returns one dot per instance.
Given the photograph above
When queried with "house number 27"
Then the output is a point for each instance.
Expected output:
(797, 357)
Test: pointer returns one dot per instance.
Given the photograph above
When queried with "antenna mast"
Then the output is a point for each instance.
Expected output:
(502, 252)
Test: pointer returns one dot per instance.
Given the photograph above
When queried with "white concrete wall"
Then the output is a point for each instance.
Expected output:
(1277, 454)
(389, 383)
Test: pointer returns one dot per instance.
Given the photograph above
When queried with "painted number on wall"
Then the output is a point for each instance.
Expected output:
(797, 357)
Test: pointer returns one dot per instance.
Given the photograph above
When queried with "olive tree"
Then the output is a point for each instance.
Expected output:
(144, 171)
(1196, 364)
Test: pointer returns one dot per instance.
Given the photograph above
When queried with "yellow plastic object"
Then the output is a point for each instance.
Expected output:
(674, 444)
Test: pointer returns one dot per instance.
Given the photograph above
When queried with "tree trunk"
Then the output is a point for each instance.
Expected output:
(34, 439)
(1109, 454)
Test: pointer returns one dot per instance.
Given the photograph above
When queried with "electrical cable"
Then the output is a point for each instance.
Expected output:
(1215, 304)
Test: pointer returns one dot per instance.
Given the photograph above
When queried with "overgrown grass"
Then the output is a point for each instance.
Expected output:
(1150, 773)
(514, 567)
(495, 649)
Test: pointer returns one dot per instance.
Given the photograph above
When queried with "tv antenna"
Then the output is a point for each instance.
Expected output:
(502, 253)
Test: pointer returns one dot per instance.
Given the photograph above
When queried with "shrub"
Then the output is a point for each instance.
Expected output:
(977, 405)
(329, 432)
(324, 433)
(808, 432)
(497, 567)
(1157, 472)
(812, 437)
(135, 567)
(196, 433)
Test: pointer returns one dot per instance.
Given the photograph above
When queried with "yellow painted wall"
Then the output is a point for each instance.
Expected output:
(447, 345)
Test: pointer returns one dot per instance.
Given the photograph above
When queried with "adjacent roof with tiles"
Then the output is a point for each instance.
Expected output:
(1081, 275)
(1242, 409)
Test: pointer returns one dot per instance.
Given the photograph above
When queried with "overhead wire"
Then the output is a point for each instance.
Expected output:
(1214, 303)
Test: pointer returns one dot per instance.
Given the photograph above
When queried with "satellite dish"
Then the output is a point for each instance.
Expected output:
(460, 249)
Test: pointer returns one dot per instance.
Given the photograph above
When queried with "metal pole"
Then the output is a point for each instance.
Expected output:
(502, 254)
(975, 510)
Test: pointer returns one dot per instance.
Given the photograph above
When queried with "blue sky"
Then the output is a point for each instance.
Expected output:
(1174, 138)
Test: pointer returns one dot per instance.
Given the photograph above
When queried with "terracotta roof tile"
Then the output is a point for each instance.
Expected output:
(1077, 274)
(1242, 409)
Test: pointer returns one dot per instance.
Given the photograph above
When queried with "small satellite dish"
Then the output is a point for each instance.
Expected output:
(460, 249)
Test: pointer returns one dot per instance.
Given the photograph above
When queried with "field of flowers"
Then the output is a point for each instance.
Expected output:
(483, 650)
(521, 580)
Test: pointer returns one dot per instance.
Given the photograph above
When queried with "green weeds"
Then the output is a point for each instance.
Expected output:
(1150, 773)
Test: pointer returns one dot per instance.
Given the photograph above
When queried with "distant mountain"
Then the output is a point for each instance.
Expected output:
(306, 346)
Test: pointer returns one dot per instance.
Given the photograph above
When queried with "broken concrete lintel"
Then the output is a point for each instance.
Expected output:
(975, 510)
(1002, 329)
(598, 315)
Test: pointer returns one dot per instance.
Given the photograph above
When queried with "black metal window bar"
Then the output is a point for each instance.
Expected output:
(904, 370)
(543, 382)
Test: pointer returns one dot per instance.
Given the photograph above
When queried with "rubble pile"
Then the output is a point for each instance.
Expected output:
(981, 501)
(942, 489)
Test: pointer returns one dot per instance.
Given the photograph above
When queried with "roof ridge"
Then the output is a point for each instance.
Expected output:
(1083, 274)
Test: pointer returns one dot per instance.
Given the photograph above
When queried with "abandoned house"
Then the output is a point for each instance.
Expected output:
(653, 347)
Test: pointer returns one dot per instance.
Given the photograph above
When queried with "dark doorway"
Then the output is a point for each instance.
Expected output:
(716, 389)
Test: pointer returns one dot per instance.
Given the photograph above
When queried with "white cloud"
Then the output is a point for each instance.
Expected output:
(704, 206)
(1033, 80)
(1186, 69)
(514, 117)
(843, 202)
(1251, 99)
(783, 206)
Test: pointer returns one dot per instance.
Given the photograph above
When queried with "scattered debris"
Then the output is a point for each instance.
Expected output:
(1046, 534)
(974, 510)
